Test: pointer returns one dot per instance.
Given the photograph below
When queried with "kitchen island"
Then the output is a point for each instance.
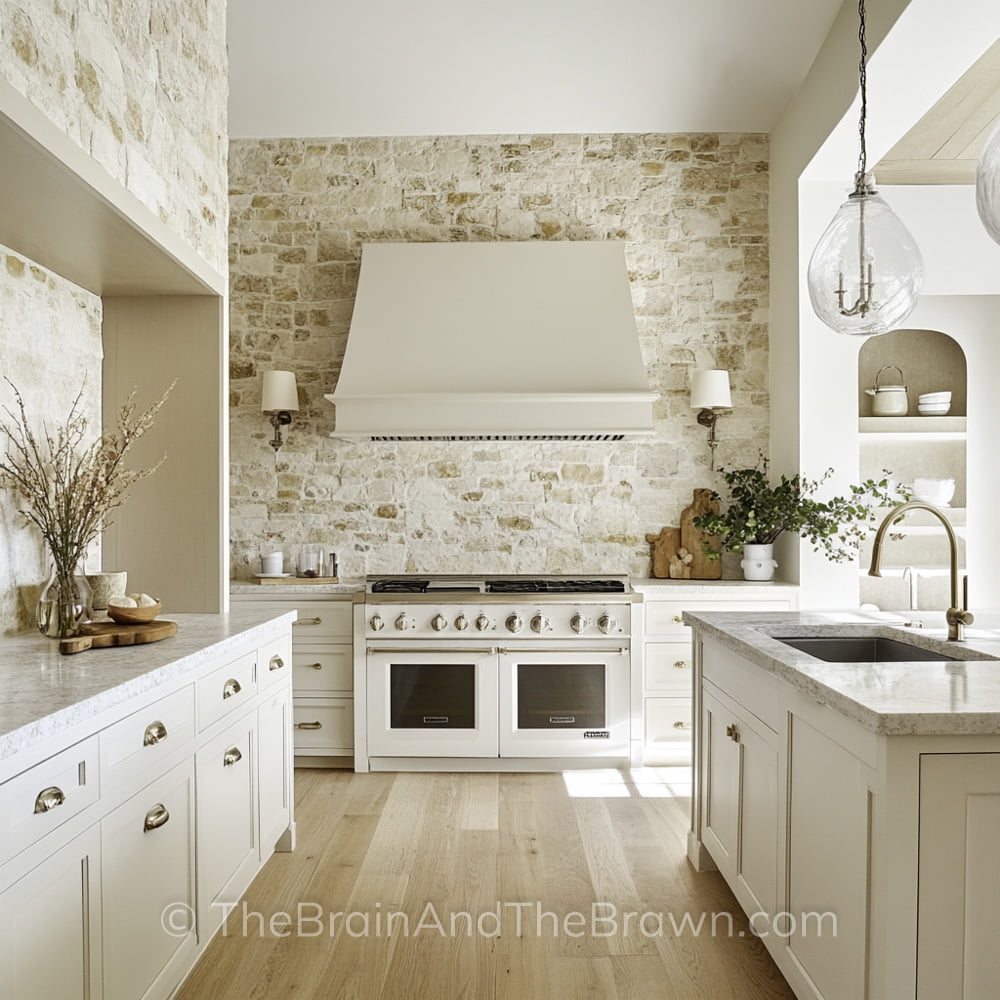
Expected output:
(853, 807)
(141, 789)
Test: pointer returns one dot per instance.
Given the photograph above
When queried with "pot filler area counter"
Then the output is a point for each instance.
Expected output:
(847, 787)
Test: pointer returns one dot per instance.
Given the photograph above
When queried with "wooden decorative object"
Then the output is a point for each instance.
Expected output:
(664, 549)
(701, 568)
(99, 634)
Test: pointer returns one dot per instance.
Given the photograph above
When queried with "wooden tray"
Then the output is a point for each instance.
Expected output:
(98, 634)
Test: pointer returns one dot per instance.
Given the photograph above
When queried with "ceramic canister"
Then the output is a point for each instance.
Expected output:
(889, 400)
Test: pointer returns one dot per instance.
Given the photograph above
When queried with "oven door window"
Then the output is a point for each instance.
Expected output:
(432, 696)
(561, 696)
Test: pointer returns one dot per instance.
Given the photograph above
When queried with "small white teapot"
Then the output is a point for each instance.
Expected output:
(889, 400)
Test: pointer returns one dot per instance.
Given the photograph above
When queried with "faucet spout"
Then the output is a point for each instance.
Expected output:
(958, 615)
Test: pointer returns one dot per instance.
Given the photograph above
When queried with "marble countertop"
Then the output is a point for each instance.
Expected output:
(291, 585)
(911, 698)
(44, 692)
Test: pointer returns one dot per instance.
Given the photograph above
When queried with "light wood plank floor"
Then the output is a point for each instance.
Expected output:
(600, 844)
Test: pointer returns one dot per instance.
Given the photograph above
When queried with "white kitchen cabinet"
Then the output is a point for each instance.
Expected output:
(876, 849)
(228, 850)
(668, 723)
(109, 846)
(274, 755)
(50, 948)
(148, 888)
(741, 799)
(959, 877)
(322, 673)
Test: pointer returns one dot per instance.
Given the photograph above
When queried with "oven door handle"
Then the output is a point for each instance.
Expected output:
(433, 650)
(565, 650)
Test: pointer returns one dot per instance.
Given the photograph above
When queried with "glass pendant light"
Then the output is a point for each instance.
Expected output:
(865, 274)
(988, 184)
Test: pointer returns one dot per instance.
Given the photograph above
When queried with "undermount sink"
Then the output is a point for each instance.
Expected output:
(860, 649)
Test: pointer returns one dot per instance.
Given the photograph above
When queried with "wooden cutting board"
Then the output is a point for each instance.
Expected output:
(97, 634)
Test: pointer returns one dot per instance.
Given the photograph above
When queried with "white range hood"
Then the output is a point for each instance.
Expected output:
(455, 341)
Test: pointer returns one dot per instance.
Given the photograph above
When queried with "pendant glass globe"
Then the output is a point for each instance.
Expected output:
(988, 185)
(866, 272)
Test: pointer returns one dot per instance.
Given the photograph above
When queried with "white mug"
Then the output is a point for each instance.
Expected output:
(271, 563)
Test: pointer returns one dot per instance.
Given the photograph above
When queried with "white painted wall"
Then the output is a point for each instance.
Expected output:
(813, 153)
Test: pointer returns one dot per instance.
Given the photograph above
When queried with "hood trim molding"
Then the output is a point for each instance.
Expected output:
(498, 416)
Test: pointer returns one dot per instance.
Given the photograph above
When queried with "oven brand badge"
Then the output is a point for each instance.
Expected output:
(597, 734)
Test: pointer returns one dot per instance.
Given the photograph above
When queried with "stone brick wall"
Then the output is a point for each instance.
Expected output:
(51, 333)
(140, 85)
(692, 211)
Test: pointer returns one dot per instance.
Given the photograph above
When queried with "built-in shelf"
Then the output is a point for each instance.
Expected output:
(928, 428)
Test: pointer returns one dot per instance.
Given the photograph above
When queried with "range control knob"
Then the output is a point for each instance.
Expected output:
(402, 623)
(607, 623)
(461, 623)
(514, 623)
(483, 624)
(439, 623)
(579, 622)
(539, 623)
(376, 623)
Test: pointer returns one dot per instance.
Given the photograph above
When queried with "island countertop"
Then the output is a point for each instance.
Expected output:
(898, 698)
(45, 693)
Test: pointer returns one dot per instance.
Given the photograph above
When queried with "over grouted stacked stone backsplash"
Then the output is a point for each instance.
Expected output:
(691, 210)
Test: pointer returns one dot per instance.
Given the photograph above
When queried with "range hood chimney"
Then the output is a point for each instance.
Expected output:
(504, 341)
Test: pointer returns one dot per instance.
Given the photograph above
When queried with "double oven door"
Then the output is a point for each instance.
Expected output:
(437, 699)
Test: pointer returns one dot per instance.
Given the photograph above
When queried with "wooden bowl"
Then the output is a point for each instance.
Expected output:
(134, 616)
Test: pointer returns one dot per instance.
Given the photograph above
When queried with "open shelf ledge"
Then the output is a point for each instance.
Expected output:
(940, 428)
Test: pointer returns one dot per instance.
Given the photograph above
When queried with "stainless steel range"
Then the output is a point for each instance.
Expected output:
(495, 671)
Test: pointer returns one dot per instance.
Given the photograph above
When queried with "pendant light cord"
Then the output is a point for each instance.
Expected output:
(859, 180)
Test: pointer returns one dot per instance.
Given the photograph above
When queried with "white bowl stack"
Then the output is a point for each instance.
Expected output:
(934, 491)
(934, 404)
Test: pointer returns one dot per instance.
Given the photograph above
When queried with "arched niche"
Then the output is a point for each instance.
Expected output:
(930, 361)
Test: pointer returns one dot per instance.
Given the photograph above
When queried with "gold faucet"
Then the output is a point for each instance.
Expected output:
(958, 615)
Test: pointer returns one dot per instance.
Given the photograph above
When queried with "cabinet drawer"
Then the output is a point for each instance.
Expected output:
(668, 667)
(664, 617)
(668, 720)
(226, 689)
(44, 797)
(321, 620)
(326, 724)
(134, 747)
(323, 670)
(274, 661)
(148, 885)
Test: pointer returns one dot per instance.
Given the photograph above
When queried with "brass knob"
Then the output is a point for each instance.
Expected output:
(680, 664)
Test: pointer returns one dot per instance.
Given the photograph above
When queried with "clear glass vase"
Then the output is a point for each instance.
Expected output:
(64, 604)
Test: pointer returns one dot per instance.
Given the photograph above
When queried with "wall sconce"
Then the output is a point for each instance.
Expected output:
(709, 394)
(279, 397)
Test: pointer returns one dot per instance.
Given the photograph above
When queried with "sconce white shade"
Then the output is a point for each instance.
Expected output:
(710, 389)
(279, 392)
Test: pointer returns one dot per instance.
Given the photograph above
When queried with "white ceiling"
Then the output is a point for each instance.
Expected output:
(466, 67)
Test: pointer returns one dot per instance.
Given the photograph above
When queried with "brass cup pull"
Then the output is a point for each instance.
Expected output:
(681, 724)
(231, 687)
(680, 664)
(231, 756)
(308, 621)
(315, 666)
(156, 732)
(275, 663)
(308, 725)
(49, 798)
(155, 818)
